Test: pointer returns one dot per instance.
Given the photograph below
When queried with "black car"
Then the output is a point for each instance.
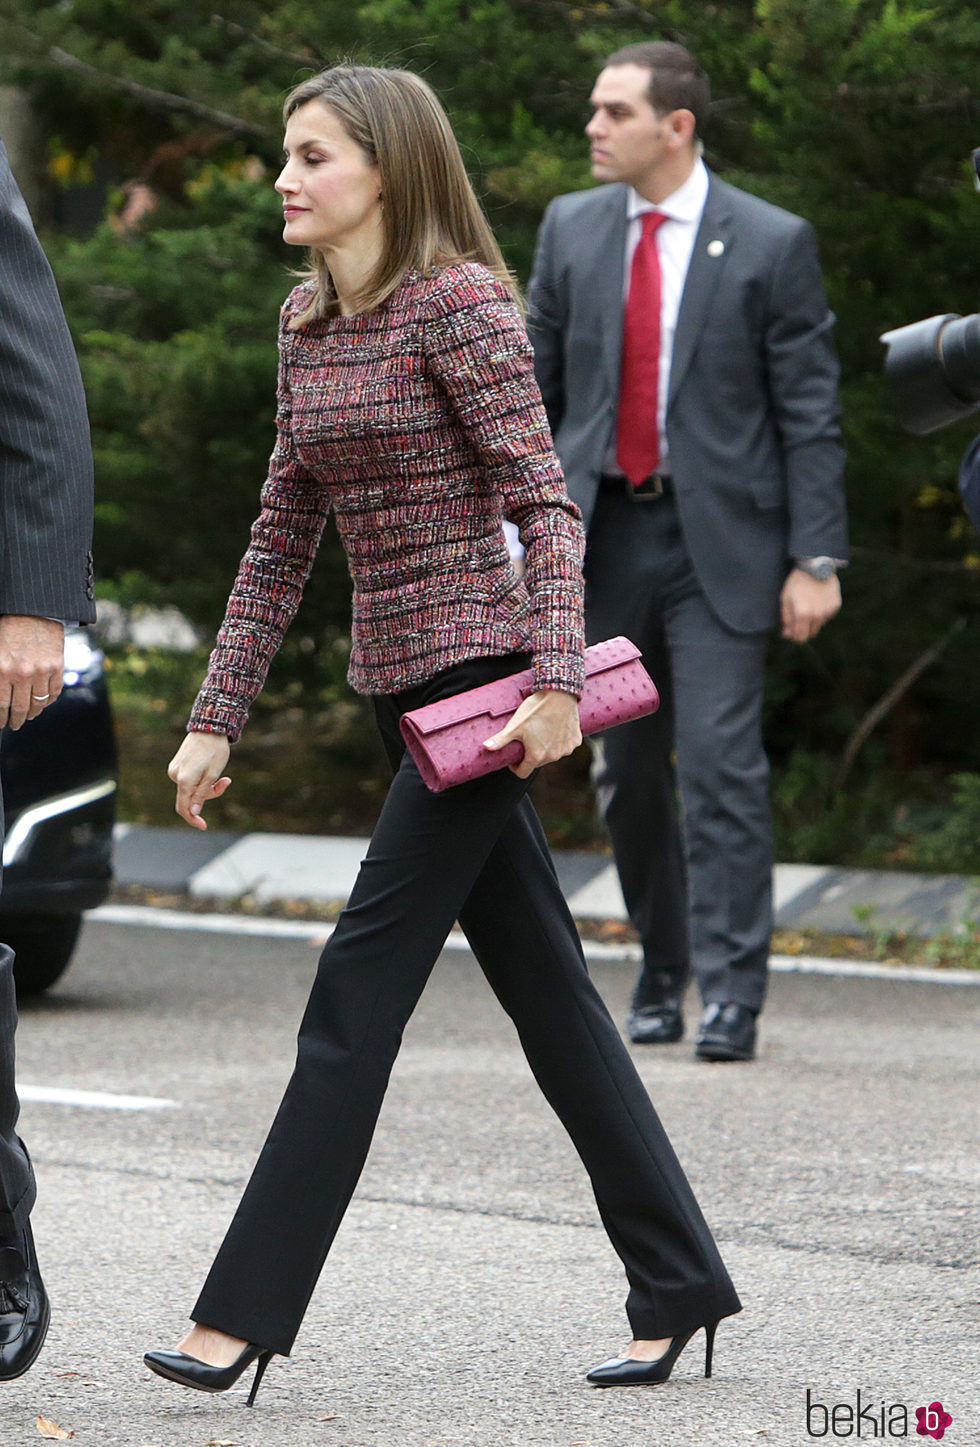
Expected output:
(58, 774)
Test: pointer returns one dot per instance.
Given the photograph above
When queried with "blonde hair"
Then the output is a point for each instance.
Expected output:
(430, 213)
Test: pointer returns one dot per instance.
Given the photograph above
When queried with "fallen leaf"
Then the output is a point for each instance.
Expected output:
(52, 1431)
(68, 1374)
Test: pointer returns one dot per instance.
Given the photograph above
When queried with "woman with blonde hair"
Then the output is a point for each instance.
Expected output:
(407, 403)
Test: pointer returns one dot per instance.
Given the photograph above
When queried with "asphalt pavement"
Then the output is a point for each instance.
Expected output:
(471, 1286)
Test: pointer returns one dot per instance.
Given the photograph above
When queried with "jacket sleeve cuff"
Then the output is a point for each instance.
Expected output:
(560, 672)
(208, 718)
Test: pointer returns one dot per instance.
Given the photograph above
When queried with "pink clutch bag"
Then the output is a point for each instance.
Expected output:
(446, 738)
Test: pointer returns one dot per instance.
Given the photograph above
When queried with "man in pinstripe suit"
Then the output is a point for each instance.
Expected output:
(45, 580)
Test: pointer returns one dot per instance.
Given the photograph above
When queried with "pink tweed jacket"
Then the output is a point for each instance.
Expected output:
(421, 425)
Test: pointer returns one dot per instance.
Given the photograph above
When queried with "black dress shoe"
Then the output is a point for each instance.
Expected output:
(24, 1308)
(655, 1024)
(726, 1032)
(202, 1376)
(628, 1372)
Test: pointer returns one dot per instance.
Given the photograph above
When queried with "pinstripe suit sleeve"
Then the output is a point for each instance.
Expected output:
(46, 489)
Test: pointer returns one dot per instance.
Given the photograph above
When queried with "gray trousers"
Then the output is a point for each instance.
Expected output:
(697, 885)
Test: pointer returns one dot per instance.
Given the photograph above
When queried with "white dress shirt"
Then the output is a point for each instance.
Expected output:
(675, 243)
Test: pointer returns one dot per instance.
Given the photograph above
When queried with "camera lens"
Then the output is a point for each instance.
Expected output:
(959, 352)
(934, 369)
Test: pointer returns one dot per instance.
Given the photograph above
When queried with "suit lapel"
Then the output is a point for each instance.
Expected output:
(608, 246)
(711, 247)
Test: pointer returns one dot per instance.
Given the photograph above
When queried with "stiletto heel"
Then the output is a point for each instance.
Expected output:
(629, 1372)
(260, 1366)
(709, 1346)
(202, 1376)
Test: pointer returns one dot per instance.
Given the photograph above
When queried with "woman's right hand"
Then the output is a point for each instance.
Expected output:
(196, 770)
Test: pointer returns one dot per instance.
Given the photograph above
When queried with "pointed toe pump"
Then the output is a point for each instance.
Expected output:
(628, 1372)
(190, 1372)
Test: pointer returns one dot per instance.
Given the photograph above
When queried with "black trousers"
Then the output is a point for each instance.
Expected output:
(17, 1190)
(476, 853)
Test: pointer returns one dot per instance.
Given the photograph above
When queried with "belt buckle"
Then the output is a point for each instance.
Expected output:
(649, 490)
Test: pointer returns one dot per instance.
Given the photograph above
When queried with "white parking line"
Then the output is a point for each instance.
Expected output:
(95, 1099)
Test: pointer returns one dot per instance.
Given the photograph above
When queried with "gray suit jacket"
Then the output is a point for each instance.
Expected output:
(752, 416)
(45, 449)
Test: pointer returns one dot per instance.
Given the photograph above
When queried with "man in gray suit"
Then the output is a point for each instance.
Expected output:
(684, 351)
(45, 580)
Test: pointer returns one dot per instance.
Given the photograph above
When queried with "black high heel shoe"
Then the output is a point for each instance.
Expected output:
(628, 1372)
(190, 1372)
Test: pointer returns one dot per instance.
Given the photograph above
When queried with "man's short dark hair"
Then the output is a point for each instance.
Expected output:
(677, 81)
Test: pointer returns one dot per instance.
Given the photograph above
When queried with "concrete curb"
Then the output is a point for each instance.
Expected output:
(316, 932)
(271, 868)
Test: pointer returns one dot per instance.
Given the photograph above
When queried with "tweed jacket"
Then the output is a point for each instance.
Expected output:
(421, 425)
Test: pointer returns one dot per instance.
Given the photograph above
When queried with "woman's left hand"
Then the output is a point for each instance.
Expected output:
(547, 724)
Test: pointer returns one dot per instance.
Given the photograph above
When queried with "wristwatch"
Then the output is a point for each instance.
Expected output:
(819, 568)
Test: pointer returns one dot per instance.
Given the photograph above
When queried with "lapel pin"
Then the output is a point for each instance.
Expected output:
(716, 248)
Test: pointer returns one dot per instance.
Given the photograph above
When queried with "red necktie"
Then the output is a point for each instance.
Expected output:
(637, 434)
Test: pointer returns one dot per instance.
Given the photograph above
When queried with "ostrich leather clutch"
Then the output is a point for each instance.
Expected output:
(446, 738)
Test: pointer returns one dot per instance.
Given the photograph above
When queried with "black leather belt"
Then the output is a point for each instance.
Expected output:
(651, 489)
